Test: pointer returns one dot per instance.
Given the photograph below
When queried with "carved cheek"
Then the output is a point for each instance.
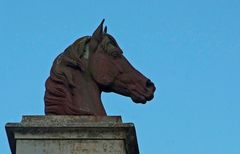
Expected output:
(102, 70)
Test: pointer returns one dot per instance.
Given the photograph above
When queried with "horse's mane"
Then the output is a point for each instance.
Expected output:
(76, 50)
(61, 68)
(58, 93)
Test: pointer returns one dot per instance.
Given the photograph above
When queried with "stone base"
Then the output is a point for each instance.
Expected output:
(72, 135)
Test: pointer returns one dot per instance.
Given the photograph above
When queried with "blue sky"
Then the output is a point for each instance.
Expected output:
(190, 49)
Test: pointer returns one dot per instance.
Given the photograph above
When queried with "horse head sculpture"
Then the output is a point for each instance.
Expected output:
(86, 68)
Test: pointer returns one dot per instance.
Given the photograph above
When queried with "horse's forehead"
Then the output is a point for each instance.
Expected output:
(109, 37)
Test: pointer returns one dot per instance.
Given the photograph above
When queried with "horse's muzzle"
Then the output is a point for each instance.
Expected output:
(150, 90)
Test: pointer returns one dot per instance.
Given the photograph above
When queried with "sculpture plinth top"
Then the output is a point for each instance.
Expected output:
(86, 68)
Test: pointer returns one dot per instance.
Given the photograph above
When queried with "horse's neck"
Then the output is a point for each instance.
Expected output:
(87, 96)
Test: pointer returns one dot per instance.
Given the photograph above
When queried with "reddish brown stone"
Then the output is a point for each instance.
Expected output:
(86, 68)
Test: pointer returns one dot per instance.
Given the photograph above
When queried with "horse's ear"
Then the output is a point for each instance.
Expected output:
(105, 29)
(97, 35)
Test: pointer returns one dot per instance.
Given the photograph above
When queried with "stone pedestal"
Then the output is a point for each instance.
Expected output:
(72, 135)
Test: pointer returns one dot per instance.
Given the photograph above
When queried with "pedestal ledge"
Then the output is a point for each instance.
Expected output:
(72, 135)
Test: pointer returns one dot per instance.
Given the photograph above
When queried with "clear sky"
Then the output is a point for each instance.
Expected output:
(190, 49)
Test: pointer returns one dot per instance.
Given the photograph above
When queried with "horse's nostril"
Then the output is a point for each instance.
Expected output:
(149, 83)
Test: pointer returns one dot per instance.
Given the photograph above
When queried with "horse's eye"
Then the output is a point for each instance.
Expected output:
(115, 54)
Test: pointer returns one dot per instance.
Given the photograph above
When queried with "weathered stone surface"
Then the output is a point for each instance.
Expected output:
(72, 135)
(71, 147)
(89, 66)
